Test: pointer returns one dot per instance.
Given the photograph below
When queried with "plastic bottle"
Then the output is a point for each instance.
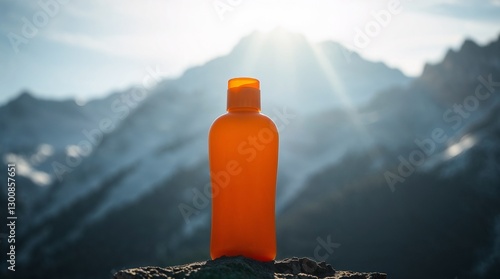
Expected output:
(243, 155)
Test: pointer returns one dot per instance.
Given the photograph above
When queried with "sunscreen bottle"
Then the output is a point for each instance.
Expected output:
(243, 157)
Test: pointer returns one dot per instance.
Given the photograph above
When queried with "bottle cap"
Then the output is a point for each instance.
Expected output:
(243, 92)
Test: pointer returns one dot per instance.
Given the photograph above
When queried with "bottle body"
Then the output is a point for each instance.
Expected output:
(243, 156)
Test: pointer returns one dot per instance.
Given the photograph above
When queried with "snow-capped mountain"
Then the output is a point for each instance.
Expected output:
(168, 127)
(121, 200)
(425, 208)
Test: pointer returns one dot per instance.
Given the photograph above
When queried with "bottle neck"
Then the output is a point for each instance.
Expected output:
(243, 98)
(243, 109)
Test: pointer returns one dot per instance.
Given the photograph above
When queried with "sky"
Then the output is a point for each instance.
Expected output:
(60, 49)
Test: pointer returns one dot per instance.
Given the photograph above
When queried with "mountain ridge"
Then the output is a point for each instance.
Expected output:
(155, 159)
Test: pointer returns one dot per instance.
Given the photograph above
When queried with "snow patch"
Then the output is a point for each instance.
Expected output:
(464, 144)
(24, 168)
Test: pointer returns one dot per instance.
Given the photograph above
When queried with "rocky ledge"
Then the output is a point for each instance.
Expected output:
(240, 267)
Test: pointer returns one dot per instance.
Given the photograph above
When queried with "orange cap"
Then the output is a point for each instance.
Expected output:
(243, 92)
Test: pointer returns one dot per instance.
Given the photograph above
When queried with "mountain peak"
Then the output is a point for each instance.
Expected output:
(469, 47)
(463, 66)
(25, 97)
(289, 66)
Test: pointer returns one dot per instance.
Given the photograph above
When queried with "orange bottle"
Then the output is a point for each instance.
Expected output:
(243, 155)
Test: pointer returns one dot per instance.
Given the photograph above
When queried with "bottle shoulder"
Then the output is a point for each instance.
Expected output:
(230, 119)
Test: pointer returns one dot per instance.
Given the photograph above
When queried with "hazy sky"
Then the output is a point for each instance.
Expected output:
(86, 49)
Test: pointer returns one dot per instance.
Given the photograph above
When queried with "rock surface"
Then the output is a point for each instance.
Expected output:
(240, 267)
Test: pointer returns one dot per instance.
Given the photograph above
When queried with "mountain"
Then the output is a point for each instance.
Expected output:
(36, 133)
(294, 73)
(43, 121)
(343, 124)
(157, 139)
(428, 204)
(456, 76)
(157, 116)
